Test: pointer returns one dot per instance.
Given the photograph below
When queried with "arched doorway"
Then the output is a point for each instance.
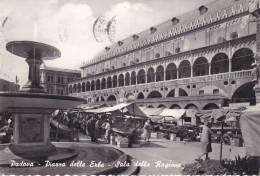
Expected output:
(210, 106)
(159, 73)
(111, 98)
(185, 69)
(98, 84)
(219, 64)
(171, 93)
(127, 79)
(103, 83)
(92, 85)
(141, 77)
(242, 59)
(133, 78)
(150, 75)
(140, 96)
(121, 80)
(245, 93)
(200, 67)
(182, 93)
(171, 71)
(191, 106)
(109, 82)
(88, 86)
(114, 81)
(154, 94)
(161, 106)
(175, 106)
(83, 87)
(79, 87)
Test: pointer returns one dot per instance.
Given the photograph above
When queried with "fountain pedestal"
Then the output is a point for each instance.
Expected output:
(31, 132)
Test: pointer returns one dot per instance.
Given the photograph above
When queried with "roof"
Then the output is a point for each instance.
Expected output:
(60, 69)
(216, 10)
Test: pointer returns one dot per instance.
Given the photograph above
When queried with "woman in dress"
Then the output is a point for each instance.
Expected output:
(206, 140)
(147, 130)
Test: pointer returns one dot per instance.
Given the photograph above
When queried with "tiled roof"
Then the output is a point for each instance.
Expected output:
(216, 10)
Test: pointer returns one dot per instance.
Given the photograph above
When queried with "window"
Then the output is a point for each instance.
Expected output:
(48, 78)
(201, 92)
(177, 50)
(203, 9)
(233, 35)
(216, 91)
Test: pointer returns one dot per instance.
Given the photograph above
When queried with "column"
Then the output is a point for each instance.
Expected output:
(210, 68)
(255, 11)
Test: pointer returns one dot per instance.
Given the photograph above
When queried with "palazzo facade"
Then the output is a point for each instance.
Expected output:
(200, 60)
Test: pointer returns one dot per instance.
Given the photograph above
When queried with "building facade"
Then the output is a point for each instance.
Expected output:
(200, 60)
(8, 86)
(56, 80)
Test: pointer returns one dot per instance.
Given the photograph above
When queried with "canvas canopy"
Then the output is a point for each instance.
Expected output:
(249, 123)
(174, 114)
(131, 108)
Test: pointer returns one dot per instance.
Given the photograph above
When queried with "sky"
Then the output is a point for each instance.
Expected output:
(68, 26)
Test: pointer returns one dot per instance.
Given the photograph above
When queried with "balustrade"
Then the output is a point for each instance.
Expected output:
(214, 77)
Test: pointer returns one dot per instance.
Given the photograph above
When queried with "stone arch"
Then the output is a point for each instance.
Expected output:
(185, 69)
(88, 86)
(201, 67)
(191, 106)
(210, 106)
(150, 75)
(74, 88)
(171, 93)
(102, 98)
(245, 93)
(121, 80)
(150, 106)
(111, 98)
(242, 59)
(103, 83)
(83, 87)
(182, 93)
(98, 84)
(127, 79)
(159, 73)
(154, 94)
(140, 96)
(70, 89)
(79, 87)
(92, 86)
(141, 77)
(109, 82)
(133, 78)
(220, 63)
(114, 81)
(130, 96)
(175, 106)
(161, 106)
(171, 71)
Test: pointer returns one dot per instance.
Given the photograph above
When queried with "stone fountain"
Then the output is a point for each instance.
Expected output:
(32, 107)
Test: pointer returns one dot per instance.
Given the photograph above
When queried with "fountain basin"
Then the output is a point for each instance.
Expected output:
(13, 100)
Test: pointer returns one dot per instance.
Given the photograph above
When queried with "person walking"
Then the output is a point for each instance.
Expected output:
(98, 129)
(147, 130)
(108, 130)
(91, 128)
(205, 141)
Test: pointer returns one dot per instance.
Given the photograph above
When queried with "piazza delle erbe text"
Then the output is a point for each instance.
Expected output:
(179, 98)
